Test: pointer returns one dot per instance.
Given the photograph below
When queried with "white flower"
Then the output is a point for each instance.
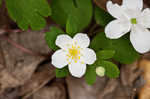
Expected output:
(74, 53)
(130, 16)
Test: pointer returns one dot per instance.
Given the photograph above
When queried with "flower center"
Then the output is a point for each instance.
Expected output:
(74, 53)
(133, 21)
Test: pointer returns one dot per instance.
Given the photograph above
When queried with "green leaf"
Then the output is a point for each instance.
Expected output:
(0, 2)
(51, 36)
(60, 73)
(72, 26)
(79, 10)
(111, 70)
(105, 54)
(29, 13)
(102, 17)
(90, 76)
(124, 51)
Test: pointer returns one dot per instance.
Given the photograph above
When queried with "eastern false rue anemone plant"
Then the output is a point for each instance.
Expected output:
(130, 17)
(74, 53)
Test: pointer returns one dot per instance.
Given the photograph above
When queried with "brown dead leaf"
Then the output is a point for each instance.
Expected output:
(54, 91)
(129, 73)
(37, 81)
(117, 91)
(110, 87)
(24, 73)
(102, 89)
(10, 93)
(7, 81)
(131, 78)
(18, 77)
(19, 66)
(79, 89)
(15, 57)
(5, 20)
(2, 62)
(144, 65)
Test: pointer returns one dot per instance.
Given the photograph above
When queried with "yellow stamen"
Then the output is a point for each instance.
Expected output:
(82, 62)
(74, 53)
(75, 61)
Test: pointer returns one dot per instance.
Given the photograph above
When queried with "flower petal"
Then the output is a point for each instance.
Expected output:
(77, 69)
(133, 4)
(63, 41)
(115, 10)
(59, 59)
(82, 40)
(140, 39)
(89, 56)
(117, 28)
(144, 19)
(129, 14)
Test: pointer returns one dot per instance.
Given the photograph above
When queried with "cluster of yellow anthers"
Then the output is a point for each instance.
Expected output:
(74, 53)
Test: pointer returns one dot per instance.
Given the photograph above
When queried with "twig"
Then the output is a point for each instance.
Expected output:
(4, 31)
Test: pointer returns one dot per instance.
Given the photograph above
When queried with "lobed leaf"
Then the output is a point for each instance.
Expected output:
(61, 73)
(111, 70)
(51, 36)
(29, 13)
(74, 14)
(102, 17)
(72, 25)
(124, 51)
(105, 54)
(90, 76)
(0, 2)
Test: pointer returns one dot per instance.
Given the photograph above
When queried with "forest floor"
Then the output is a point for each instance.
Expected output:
(26, 71)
